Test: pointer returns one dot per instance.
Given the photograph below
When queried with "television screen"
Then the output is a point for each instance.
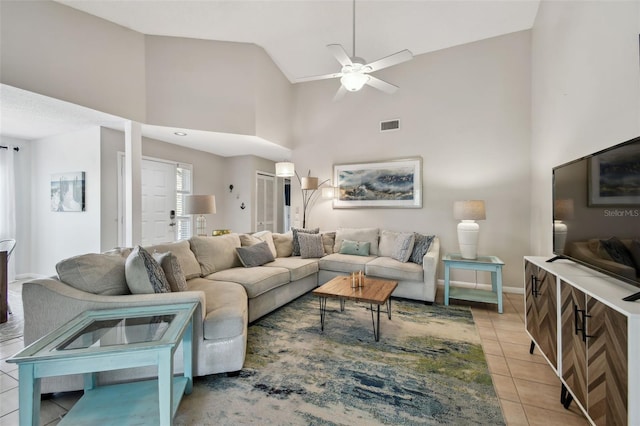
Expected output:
(596, 211)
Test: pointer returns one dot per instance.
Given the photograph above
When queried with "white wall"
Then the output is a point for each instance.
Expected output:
(465, 111)
(54, 50)
(585, 91)
(58, 235)
(19, 263)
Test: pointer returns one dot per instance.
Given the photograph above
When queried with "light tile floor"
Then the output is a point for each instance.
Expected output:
(528, 389)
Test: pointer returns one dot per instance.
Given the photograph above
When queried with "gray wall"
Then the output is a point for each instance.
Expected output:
(585, 91)
(465, 111)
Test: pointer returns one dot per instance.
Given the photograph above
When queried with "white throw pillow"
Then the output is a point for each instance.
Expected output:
(144, 274)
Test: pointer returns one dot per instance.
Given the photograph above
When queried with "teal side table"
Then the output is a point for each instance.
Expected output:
(483, 263)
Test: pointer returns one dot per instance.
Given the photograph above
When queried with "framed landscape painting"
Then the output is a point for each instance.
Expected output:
(387, 184)
(614, 177)
(67, 192)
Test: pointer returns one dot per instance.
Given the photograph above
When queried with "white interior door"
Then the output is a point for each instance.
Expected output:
(265, 202)
(158, 202)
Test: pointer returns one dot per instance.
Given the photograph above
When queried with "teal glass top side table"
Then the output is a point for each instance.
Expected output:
(491, 264)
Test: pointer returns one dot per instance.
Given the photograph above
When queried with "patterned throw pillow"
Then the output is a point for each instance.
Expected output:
(403, 246)
(145, 275)
(310, 245)
(358, 248)
(618, 251)
(172, 270)
(328, 241)
(296, 243)
(255, 255)
(420, 247)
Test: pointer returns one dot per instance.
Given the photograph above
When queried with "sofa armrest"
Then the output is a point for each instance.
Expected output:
(430, 263)
(49, 303)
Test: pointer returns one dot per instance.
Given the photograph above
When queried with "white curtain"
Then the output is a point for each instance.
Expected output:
(7, 200)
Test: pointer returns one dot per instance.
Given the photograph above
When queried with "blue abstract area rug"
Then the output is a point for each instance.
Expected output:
(427, 368)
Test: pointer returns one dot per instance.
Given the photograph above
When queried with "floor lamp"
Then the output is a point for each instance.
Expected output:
(200, 205)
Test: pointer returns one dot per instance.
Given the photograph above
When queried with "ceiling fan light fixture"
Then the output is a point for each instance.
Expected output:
(354, 81)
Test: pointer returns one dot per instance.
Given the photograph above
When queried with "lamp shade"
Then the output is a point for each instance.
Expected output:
(200, 204)
(329, 192)
(309, 182)
(469, 210)
(354, 81)
(563, 209)
(285, 169)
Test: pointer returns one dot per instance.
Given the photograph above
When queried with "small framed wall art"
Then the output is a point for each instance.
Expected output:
(68, 192)
(388, 184)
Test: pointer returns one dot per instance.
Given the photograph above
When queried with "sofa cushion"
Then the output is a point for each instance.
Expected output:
(94, 273)
(283, 243)
(144, 274)
(357, 248)
(255, 255)
(357, 234)
(255, 281)
(298, 267)
(216, 253)
(386, 267)
(397, 245)
(172, 270)
(182, 250)
(267, 236)
(421, 246)
(328, 241)
(344, 262)
(310, 245)
(618, 251)
(296, 241)
(226, 308)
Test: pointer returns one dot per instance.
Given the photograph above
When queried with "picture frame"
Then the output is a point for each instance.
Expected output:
(68, 192)
(614, 179)
(382, 184)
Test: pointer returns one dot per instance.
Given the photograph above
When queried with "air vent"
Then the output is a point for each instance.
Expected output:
(387, 126)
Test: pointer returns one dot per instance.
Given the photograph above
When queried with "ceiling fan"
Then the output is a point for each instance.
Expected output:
(355, 72)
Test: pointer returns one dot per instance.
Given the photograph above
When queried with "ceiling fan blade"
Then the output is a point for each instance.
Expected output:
(387, 61)
(340, 93)
(319, 77)
(381, 85)
(340, 54)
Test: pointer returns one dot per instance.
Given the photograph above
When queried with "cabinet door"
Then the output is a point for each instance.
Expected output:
(607, 364)
(541, 310)
(574, 348)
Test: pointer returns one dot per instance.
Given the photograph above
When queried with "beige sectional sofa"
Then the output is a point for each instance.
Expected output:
(230, 296)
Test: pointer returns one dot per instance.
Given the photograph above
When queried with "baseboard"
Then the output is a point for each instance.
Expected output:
(465, 284)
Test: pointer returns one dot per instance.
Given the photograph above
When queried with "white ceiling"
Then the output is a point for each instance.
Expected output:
(294, 33)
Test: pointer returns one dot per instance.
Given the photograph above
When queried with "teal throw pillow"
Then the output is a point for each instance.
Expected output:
(358, 248)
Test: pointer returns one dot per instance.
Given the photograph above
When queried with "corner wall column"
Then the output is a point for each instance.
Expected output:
(133, 183)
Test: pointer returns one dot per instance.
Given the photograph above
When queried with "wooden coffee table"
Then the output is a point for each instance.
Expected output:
(375, 291)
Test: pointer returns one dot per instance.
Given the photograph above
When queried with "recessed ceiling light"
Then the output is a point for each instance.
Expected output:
(180, 133)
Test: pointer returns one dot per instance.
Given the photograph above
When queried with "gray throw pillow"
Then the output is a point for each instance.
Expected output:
(296, 243)
(172, 270)
(144, 274)
(310, 245)
(255, 255)
(403, 246)
(421, 246)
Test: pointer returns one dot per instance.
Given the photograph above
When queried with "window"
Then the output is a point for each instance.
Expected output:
(184, 184)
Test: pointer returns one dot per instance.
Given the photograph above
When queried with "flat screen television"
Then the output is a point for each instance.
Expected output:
(596, 211)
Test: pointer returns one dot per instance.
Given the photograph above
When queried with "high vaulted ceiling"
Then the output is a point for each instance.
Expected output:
(295, 33)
